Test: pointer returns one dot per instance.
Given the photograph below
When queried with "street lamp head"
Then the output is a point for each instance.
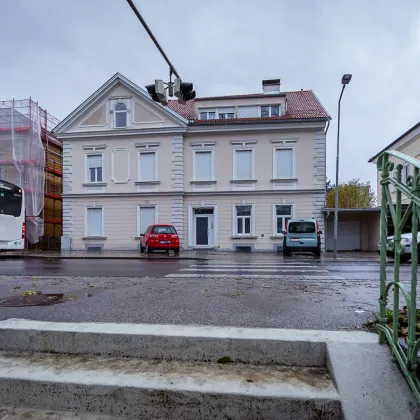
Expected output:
(346, 79)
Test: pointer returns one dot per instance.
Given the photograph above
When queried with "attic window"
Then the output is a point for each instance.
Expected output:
(208, 115)
(270, 111)
(120, 115)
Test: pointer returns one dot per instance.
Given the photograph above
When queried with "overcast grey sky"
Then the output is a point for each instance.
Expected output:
(60, 51)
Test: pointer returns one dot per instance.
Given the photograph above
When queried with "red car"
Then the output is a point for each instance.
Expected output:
(159, 237)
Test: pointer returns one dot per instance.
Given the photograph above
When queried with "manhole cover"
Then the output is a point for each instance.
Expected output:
(33, 300)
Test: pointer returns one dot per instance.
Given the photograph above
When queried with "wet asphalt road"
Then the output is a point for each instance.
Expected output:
(90, 267)
(257, 291)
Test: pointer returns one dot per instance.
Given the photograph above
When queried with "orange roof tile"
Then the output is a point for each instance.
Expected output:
(302, 104)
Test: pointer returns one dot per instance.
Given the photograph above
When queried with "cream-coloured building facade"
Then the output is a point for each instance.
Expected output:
(409, 144)
(227, 172)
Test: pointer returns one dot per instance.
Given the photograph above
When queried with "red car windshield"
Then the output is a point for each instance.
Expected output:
(164, 230)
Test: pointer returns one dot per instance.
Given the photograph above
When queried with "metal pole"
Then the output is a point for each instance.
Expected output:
(143, 22)
(336, 177)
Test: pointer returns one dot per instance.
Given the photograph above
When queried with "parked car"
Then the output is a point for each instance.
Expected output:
(302, 235)
(406, 240)
(159, 237)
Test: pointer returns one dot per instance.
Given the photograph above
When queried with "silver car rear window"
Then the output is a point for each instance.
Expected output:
(301, 227)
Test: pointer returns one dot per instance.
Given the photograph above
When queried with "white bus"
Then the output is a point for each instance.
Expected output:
(12, 217)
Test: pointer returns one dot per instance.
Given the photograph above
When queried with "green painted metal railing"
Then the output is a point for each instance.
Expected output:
(411, 190)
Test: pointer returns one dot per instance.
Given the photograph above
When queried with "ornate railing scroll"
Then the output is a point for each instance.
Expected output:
(391, 175)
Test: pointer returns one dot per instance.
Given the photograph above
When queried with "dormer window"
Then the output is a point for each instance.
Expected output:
(270, 111)
(227, 116)
(226, 113)
(208, 115)
(120, 115)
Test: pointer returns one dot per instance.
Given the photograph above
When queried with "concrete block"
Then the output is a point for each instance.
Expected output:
(18, 413)
(370, 385)
(169, 390)
(174, 342)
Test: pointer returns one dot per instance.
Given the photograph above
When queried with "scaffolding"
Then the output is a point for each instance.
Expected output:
(24, 144)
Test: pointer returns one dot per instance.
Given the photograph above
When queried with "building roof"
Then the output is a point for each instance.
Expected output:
(241, 96)
(414, 127)
(187, 110)
(302, 104)
(108, 85)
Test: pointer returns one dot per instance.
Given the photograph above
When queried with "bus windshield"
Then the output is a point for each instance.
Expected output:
(10, 199)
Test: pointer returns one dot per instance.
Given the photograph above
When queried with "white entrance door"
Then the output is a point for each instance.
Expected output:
(204, 230)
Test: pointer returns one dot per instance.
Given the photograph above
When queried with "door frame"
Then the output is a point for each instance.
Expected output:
(191, 226)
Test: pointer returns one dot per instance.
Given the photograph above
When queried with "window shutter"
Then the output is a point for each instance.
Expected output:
(284, 163)
(244, 164)
(94, 222)
(94, 161)
(148, 166)
(147, 217)
(203, 166)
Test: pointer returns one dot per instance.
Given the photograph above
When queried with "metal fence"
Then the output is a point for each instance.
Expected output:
(47, 243)
(407, 187)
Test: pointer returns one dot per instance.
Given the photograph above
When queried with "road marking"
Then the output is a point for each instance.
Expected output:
(254, 276)
(240, 267)
(267, 270)
(256, 264)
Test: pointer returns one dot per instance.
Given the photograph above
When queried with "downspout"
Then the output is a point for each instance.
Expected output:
(328, 126)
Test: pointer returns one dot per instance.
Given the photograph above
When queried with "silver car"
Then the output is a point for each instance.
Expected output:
(406, 239)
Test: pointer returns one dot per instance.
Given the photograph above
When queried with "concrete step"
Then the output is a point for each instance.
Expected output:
(170, 372)
(151, 389)
(12, 413)
(176, 342)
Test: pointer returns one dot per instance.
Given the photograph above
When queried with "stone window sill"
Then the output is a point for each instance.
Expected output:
(95, 184)
(244, 237)
(284, 179)
(93, 237)
(202, 182)
(243, 181)
(147, 182)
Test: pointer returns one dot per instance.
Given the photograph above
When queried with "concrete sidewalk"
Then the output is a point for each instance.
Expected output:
(186, 254)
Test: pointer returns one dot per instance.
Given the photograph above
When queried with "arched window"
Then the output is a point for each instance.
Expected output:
(120, 115)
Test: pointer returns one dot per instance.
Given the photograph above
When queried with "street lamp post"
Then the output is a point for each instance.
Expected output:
(344, 81)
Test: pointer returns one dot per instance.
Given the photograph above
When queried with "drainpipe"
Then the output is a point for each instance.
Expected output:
(328, 126)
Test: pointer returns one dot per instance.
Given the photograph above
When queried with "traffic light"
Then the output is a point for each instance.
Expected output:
(183, 91)
(158, 92)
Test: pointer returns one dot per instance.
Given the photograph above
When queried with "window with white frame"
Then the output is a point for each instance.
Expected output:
(208, 115)
(243, 220)
(284, 162)
(283, 213)
(94, 168)
(94, 222)
(244, 163)
(120, 115)
(226, 115)
(203, 165)
(147, 166)
(270, 110)
(393, 175)
(147, 217)
(405, 172)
